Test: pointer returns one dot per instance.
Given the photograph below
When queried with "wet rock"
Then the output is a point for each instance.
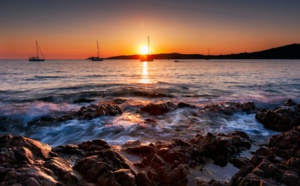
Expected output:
(25, 161)
(83, 100)
(239, 162)
(277, 164)
(140, 150)
(37, 148)
(134, 143)
(184, 105)
(100, 166)
(281, 118)
(124, 177)
(87, 112)
(212, 182)
(167, 163)
(230, 108)
(290, 102)
(119, 101)
(286, 145)
(159, 109)
(94, 111)
(220, 148)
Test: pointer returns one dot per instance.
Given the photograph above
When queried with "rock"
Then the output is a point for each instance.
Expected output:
(229, 108)
(282, 118)
(94, 111)
(159, 109)
(125, 177)
(184, 105)
(83, 100)
(239, 162)
(119, 101)
(277, 164)
(87, 112)
(222, 147)
(140, 150)
(286, 145)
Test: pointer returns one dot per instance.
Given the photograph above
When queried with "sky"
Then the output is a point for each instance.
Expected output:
(69, 29)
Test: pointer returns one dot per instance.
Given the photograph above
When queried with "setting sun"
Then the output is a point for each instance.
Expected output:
(144, 49)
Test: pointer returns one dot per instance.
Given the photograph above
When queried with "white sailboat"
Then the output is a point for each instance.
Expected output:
(37, 57)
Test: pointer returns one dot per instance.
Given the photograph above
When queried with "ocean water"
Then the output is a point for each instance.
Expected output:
(30, 90)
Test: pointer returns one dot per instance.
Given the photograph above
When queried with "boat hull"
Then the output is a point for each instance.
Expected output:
(96, 59)
(146, 58)
(36, 60)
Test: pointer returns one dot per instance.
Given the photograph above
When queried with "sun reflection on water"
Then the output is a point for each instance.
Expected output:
(145, 77)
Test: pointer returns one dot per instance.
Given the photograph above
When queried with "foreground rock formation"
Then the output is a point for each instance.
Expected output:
(25, 161)
(276, 164)
(282, 118)
(29, 162)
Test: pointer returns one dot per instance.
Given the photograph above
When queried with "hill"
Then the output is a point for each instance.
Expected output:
(291, 51)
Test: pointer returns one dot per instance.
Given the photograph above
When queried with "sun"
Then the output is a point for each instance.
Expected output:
(144, 50)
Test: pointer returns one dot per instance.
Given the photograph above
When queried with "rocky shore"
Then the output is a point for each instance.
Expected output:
(24, 161)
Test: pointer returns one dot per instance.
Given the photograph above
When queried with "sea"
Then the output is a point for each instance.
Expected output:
(31, 90)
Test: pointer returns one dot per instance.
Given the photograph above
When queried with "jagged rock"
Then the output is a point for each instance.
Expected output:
(239, 162)
(87, 112)
(93, 111)
(277, 164)
(26, 161)
(229, 108)
(281, 118)
(183, 105)
(159, 109)
(83, 100)
(221, 147)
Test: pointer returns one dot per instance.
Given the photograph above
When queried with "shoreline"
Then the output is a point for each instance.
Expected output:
(173, 162)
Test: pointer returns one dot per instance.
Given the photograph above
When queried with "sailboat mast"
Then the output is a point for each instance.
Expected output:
(37, 49)
(98, 48)
(148, 45)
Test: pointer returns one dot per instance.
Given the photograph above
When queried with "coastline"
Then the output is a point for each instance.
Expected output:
(27, 161)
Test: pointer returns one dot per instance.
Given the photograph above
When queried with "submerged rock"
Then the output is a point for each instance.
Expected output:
(87, 112)
(282, 118)
(159, 109)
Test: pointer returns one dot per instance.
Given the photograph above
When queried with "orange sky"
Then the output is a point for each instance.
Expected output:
(70, 31)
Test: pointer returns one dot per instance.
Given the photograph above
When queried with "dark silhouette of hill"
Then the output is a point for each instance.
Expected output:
(284, 52)
(291, 51)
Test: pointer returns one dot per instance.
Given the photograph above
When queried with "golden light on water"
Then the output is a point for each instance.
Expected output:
(145, 76)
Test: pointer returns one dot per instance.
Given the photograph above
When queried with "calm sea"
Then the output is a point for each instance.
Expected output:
(31, 90)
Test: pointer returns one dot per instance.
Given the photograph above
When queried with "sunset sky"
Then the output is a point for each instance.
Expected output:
(69, 29)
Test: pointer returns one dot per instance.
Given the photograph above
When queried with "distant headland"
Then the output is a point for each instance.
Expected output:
(291, 51)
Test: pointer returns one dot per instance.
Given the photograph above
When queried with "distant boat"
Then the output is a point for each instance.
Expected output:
(96, 58)
(37, 57)
(148, 56)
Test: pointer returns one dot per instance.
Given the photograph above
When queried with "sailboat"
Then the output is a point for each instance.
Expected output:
(148, 56)
(37, 57)
(96, 58)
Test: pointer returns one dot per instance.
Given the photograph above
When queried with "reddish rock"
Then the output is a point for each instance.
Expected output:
(229, 108)
(281, 118)
(277, 164)
(159, 109)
